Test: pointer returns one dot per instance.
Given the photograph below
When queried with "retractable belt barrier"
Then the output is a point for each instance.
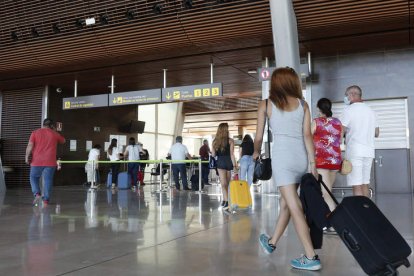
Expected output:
(161, 161)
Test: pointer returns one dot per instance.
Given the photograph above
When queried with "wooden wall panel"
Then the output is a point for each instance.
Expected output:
(21, 114)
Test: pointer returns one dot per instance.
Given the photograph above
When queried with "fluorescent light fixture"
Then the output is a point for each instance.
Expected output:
(252, 71)
(90, 21)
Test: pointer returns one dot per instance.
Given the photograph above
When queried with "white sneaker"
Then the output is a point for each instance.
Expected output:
(113, 186)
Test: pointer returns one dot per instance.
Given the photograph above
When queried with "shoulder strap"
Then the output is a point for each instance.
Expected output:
(268, 131)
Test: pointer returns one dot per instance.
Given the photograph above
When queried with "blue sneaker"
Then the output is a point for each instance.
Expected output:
(264, 242)
(306, 264)
(37, 199)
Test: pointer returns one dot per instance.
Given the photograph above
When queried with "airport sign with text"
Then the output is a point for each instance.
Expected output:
(85, 102)
(135, 97)
(192, 92)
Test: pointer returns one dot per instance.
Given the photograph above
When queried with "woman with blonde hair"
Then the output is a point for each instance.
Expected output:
(293, 155)
(223, 149)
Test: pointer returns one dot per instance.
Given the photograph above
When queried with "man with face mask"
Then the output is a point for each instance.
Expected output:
(360, 127)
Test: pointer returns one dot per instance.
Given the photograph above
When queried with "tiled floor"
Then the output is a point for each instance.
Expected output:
(172, 233)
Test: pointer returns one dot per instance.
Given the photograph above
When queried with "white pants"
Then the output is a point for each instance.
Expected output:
(361, 171)
(90, 170)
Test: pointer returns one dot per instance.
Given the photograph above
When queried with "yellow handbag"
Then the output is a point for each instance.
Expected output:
(346, 167)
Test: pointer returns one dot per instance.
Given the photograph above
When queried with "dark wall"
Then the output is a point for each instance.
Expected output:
(381, 75)
(79, 125)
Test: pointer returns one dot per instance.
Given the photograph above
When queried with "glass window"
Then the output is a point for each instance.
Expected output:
(146, 113)
(164, 144)
(193, 145)
(148, 140)
(167, 114)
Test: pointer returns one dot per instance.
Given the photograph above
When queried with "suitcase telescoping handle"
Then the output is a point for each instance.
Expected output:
(326, 188)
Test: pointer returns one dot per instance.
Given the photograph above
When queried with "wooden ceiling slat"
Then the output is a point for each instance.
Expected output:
(206, 26)
(351, 18)
(305, 5)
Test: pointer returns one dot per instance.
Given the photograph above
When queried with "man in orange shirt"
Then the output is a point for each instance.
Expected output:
(42, 149)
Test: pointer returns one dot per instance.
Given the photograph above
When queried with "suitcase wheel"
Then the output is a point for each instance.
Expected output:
(406, 263)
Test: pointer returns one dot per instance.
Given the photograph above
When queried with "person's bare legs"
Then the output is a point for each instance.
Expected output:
(224, 181)
(328, 178)
(290, 194)
(282, 222)
(361, 190)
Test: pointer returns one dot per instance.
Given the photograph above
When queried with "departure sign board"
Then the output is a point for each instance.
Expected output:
(192, 92)
(85, 102)
(135, 97)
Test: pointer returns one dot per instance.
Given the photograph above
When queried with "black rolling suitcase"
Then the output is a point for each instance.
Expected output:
(372, 239)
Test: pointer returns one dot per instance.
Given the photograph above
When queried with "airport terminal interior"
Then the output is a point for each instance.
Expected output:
(155, 70)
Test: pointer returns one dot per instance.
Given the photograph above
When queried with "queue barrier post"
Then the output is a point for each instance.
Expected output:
(200, 191)
(160, 190)
(170, 176)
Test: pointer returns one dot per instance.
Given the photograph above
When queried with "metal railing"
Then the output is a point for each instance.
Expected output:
(160, 162)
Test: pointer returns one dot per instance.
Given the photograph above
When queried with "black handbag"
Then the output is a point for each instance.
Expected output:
(263, 166)
(212, 162)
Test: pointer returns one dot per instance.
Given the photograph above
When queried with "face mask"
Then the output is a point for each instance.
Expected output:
(347, 101)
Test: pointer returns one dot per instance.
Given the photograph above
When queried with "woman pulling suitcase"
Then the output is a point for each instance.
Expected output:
(292, 156)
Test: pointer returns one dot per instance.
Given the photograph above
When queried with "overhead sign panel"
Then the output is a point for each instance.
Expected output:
(192, 92)
(85, 102)
(265, 74)
(135, 97)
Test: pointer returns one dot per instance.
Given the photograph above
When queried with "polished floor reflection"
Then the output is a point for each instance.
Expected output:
(170, 233)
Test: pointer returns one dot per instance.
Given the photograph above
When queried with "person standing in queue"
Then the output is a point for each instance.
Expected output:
(42, 150)
(246, 159)
(143, 155)
(204, 156)
(113, 155)
(92, 170)
(223, 148)
(132, 152)
(293, 155)
(179, 151)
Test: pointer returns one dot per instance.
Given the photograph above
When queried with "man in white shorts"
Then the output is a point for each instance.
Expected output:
(360, 127)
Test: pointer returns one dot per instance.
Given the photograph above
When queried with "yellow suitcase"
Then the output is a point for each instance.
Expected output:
(240, 194)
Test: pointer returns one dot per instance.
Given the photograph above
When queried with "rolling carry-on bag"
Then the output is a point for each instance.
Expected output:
(109, 180)
(124, 180)
(372, 239)
(240, 194)
(194, 179)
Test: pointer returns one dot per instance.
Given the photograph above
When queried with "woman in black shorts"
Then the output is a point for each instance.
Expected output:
(223, 148)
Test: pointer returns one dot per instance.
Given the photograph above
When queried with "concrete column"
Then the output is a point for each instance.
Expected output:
(285, 40)
(179, 121)
(285, 34)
